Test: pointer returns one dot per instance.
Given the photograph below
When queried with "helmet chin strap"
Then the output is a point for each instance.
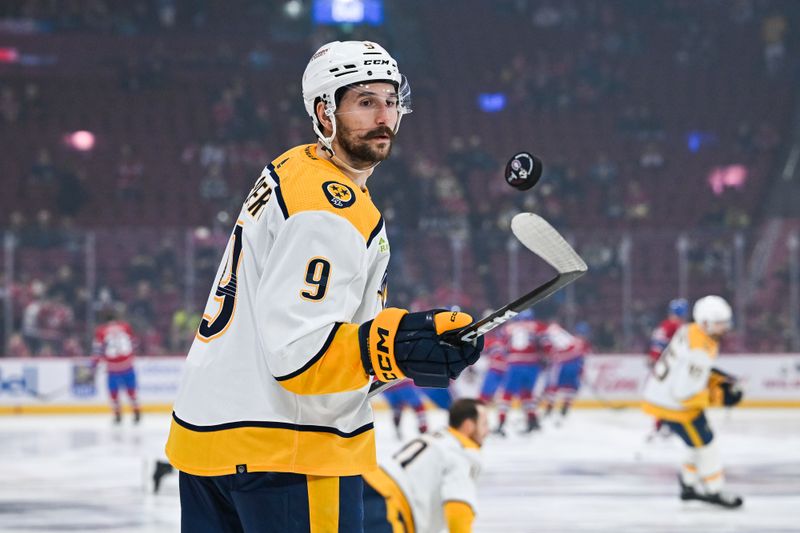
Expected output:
(327, 145)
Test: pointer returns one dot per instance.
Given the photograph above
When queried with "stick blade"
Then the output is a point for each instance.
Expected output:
(538, 236)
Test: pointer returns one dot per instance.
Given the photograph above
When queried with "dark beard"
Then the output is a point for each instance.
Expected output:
(360, 152)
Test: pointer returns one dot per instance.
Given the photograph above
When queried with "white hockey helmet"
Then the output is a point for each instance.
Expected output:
(342, 63)
(713, 314)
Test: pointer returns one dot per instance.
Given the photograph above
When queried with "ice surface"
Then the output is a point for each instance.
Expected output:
(594, 473)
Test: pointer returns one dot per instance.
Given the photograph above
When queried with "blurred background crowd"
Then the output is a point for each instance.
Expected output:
(132, 131)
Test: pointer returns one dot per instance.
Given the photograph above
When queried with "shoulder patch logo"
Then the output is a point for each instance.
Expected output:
(383, 245)
(338, 194)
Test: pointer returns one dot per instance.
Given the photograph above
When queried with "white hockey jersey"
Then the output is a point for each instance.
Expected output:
(435, 469)
(678, 387)
(274, 381)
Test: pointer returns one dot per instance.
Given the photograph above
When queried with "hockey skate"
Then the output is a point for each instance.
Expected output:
(723, 499)
(533, 425)
(162, 469)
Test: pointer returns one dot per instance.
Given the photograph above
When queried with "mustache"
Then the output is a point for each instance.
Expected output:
(379, 132)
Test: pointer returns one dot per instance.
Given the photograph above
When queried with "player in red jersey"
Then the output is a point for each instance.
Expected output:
(659, 339)
(524, 365)
(566, 353)
(496, 349)
(114, 344)
(678, 311)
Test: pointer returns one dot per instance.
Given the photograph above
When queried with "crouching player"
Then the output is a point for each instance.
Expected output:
(683, 383)
(429, 485)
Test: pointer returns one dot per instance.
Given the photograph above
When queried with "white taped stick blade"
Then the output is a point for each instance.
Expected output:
(538, 236)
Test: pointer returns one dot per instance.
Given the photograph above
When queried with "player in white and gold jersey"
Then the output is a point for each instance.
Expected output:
(683, 383)
(429, 485)
(272, 427)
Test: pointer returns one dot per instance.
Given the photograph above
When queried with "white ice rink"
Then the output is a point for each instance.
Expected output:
(594, 473)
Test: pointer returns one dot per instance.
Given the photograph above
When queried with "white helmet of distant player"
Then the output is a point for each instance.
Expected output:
(713, 314)
(341, 64)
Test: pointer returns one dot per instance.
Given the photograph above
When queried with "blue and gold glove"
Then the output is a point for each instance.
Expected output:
(398, 344)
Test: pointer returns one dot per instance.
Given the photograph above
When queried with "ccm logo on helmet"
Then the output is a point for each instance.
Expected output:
(376, 62)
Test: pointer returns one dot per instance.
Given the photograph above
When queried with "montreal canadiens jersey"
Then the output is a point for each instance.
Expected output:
(560, 345)
(435, 469)
(662, 335)
(273, 380)
(677, 388)
(524, 338)
(114, 344)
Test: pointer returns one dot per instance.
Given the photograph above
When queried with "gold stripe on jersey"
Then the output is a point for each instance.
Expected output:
(671, 415)
(270, 447)
(459, 516)
(323, 504)
(335, 368)
(310, 183)
(694, 436)
(699, 339)
(398, 510)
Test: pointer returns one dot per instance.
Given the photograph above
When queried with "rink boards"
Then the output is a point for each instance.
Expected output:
(69, 385)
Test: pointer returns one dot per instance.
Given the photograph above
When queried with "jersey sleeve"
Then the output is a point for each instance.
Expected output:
(459, 517)
(457, 483)
(312, 285)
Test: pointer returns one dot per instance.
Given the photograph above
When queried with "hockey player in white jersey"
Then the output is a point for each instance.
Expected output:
(272, 428)
(683, 383)
(429, 485)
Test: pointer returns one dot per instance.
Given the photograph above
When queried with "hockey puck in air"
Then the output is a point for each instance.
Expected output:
(523, 171)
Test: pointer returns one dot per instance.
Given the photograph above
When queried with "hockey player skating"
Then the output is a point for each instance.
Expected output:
(566, 353)
(114, 345)
(524, 364)
(496, 350)
(659, 339)
(429, 485)
(272, 427)
(683, 383)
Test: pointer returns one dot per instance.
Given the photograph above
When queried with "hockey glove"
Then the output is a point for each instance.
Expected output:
(731, 393)
(725, 389)
(398, 344)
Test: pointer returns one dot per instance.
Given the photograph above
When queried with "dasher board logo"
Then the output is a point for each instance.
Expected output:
(338, 194)
(83, 379)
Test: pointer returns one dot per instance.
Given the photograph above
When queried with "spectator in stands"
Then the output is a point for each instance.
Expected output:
(130, 171)
(17, 347)
(71, 193)
(637, 202)
(56, 322)
(773, 34)
(43, 171)
(32, 317)
(141, 312)
(43, 234)
(10, 106)
(33, 107)
(651, 157)
(213, 186)
(604, 171)
(142, 267)
(183, 327)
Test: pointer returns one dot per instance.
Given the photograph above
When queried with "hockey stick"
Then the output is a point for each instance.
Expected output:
(538, 236)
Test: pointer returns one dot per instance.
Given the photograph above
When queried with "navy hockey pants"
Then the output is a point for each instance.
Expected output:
(271, 502)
